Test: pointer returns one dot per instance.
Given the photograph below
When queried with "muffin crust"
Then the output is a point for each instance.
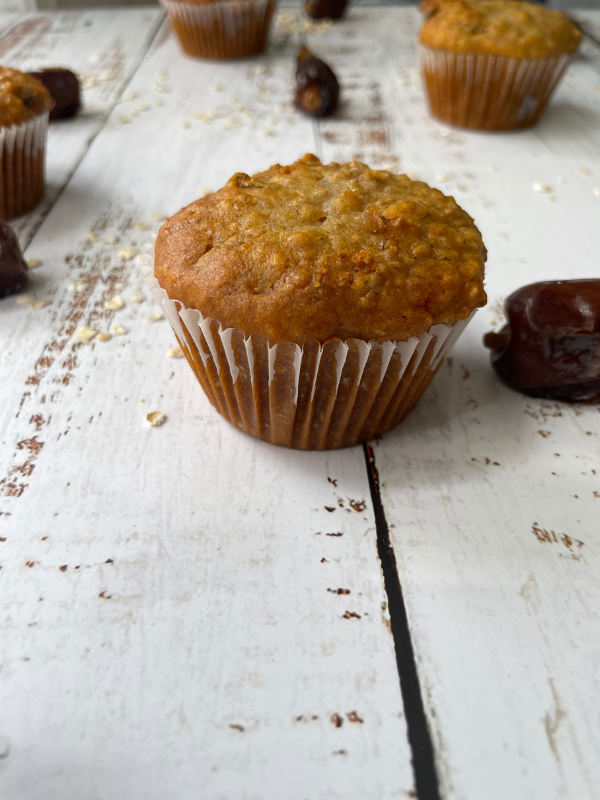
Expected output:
(21, 97)
(500, 27)
(308, 252)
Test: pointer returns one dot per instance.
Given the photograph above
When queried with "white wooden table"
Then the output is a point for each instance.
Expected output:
(190, 613)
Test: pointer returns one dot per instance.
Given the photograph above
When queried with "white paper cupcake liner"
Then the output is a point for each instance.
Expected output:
(488, 92)
(22, 151)
(309, 397)
(221, 29)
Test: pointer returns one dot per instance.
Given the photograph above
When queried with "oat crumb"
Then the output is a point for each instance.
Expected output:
(216, 87)
(128, 252)
(185, 124)
(119, 330)
(34, 263)
(104, 336)
(86, 334)
(585, 171)
(175, 352)
(25, 299)
(141, 226)
(91, 237)
(158, 315)
(159, 217)
(543, 188)
(156, 418)
(138, 298)
(116, 304)
(111, 239)
(38, 304)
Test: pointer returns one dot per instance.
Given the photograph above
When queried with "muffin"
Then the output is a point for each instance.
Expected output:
(493, 64)
(24, 107)
(221, 29)
(315, 303)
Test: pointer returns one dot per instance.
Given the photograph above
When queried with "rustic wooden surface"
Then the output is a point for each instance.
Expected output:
(172, 626)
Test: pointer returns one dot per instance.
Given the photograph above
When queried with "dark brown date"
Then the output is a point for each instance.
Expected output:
(325, 9)
(14, 272)
(550, 346)
(317, 88)
(64, 89)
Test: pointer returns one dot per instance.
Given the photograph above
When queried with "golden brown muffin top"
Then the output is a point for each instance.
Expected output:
(308, 251)
(21, 97)
(500, 27)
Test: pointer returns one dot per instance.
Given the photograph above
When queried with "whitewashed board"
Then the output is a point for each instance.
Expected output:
(172, 625)
(493, 499)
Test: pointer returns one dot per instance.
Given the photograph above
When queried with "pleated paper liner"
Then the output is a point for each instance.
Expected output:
(488, 92)
(309, 397)
(221, 29)
(22, 151)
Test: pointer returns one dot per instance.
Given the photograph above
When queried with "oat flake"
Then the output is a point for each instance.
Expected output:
(86, 334)
(116, 304)
(156, 418)
(34, 263)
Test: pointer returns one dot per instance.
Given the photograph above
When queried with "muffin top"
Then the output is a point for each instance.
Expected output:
(21, 97)
(308, 252)
(500, 27)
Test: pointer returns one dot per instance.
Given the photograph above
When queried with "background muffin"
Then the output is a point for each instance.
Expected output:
(221, 29)
(318, 301)
(493, 64)
(24, 107)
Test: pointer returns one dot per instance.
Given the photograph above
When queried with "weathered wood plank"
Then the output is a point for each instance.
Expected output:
(492, 498)
(172, 625)
(105, 48)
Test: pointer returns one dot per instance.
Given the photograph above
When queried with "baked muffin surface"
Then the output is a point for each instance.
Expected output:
(501, 27)
(307, 252)
(21, 97)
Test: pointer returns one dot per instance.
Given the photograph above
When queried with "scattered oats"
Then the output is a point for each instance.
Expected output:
(462, 187)
(597, 192)
(119, 330)
(161, 88)
(156, 418)
(131, 95)
(111, 239)
(104, 337)
(267, 132)
(128, 252)
(25, 299)
(412, 175)
(138, 298)
(541, 187)
(140, 259)
(156, 317)
(245, 112)
(185, 124)
(91, 237)
(158, 216)
(105, 76)
(159, 102)
(442, 178)
(142, 226)
(122, 119)
(141, 107)
(585, 171)
(175, 352)
(116, 304)
(226, 125)
(119, 286)
(86, 334)
(34, 263)
(216, 87)
(88, 81)
(551, 198)
(38, 304)
(203, 191)
(79, 285)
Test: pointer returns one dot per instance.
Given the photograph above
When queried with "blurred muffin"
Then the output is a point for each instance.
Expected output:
(24, 107)
(315, 303)
(493, 64)
(221, 29)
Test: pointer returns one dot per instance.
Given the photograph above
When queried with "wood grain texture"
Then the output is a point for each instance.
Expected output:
(188, 612)
(493, 499)
(104, 48)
